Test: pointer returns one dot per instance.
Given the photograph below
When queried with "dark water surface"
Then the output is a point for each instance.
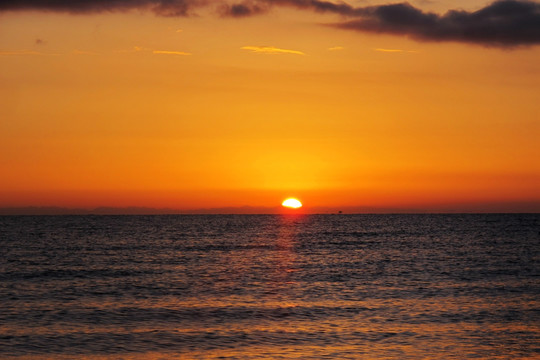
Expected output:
(270, 287)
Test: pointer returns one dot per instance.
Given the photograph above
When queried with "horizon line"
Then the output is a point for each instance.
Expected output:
(470, 208)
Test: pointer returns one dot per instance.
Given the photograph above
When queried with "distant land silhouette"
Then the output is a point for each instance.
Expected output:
(493, 207)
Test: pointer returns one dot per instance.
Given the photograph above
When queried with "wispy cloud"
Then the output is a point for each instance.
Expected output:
(389, 50)
(145, 50)
(161, 7)
(394, 50)
(39, 53)
(84, 52)
(23, 53)
(254, 7)
(271, 50)
(336, 48)
(165, 52)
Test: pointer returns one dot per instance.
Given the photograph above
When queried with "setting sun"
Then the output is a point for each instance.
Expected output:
(292, 203)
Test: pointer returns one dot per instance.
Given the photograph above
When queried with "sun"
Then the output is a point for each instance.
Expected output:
(292, 203)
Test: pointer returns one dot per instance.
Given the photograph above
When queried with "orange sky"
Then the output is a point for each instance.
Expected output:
(132, 108)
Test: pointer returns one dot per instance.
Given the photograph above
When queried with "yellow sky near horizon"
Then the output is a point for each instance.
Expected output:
(134, 109)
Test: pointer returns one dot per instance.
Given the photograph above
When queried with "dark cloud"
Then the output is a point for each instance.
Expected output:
(247, 8)
(161, 7)
(255, 7)
(172, 7)
(319, 6)
(503, 23)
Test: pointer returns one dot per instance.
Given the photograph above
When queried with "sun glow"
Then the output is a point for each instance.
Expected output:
(292, 203)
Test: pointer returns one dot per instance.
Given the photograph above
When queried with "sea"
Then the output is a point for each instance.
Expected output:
(334, 286)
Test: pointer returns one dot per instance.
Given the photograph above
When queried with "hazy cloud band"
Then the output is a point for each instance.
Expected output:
(161, 7)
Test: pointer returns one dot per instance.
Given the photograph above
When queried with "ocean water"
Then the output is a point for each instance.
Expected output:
(270, 287)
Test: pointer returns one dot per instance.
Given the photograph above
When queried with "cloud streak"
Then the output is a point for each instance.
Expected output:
(160, 7)
(271, 50)
(24, 53)
(254, 7)
(503, 23)
(389, 50)
(165, 52)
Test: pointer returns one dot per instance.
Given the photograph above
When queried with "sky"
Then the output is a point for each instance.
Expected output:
(365, 106)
